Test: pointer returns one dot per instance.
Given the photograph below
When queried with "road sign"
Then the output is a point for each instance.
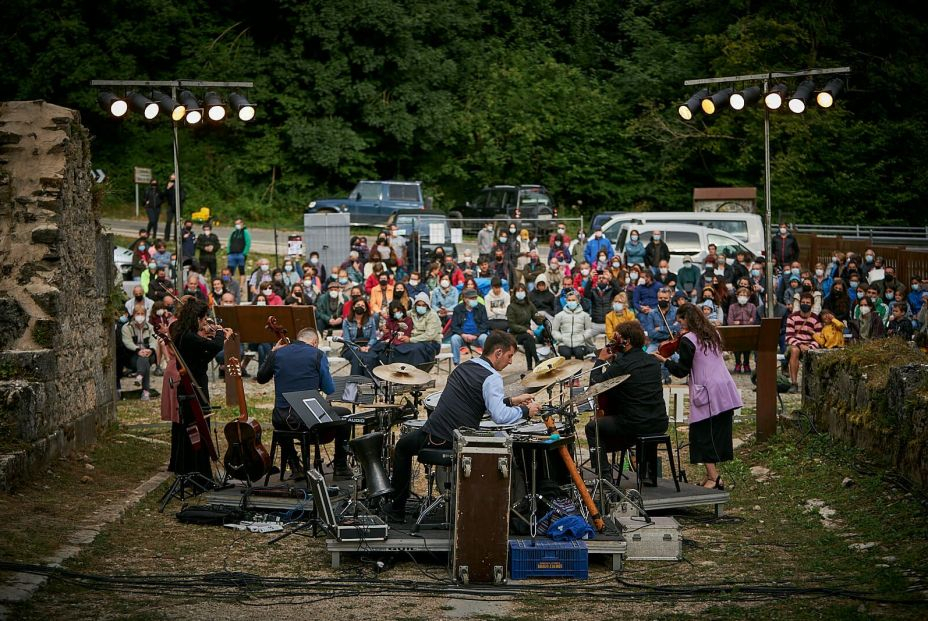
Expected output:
(98, 175)
(142, 175)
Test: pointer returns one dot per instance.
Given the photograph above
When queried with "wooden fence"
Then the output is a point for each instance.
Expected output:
(907, 262)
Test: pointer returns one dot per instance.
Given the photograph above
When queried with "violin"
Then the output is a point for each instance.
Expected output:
(669, 347)
(245, 458)
(279, 331)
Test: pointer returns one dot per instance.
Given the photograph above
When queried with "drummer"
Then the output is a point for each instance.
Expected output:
(473, 388)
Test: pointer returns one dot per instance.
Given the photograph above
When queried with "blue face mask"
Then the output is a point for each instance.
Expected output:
(472, 303)
(422, 309)
(854, 284)
(398, 315)
(572, 305)
(343, 280)
(520, 295)
(755, 273)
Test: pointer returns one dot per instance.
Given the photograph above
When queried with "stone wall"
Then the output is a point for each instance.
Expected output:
(57, 381)
(875, 396)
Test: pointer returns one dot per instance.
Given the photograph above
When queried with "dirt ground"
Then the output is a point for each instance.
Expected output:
(813, 530)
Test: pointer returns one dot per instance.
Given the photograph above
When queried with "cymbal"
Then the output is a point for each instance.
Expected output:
(545, 375)
(401, 373)
(596, 389)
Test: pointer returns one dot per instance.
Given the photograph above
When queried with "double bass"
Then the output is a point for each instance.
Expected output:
(246, 458)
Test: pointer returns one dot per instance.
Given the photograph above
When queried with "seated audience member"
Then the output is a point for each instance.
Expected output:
(838, 301)
(354, 294)
(600, 296)
(645, 297)
(867, 323)
(138, 297)
(573, 329)
(297, 297)
(444, 298)
(415, 286)
(329, 310)
(138, 340)
(401, 295)
(532, 269)
(873, 294)
(899, 323)
(497, 301)
(426, 330)
(382, 294)
(469, 324)
(831, 335)
(542, 298)
(801, 327)
(619, 314)
(359, 330)
(519, 315)
(743, 313)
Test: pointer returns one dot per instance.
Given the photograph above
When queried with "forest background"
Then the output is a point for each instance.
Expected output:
(579, 96)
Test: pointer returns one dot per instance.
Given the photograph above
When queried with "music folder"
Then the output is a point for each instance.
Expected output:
(312, 408)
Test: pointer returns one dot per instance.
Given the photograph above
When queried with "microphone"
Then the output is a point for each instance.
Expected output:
(338, 339)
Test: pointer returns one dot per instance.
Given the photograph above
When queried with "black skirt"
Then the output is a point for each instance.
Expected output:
(710, 439)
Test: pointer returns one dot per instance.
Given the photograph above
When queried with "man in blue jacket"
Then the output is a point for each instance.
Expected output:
(660, 324)
(469, 324)
(596, 245)
(644, 299)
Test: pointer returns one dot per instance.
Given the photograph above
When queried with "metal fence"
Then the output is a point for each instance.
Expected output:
(910, 235)
(542, 227)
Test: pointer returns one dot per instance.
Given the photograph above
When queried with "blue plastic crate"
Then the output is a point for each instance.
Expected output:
(547, 559)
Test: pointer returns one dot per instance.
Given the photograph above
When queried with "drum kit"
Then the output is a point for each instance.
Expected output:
(532, 442)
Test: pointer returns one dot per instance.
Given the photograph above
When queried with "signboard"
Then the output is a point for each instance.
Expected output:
(437, 232)
(142, 175)
(294, 245)
(457, 236)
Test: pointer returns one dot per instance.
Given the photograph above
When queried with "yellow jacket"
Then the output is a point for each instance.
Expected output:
(614, 319)
(831, 336)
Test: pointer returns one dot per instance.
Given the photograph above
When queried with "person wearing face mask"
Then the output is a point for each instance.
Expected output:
(618, 314)
(832, 333)
(485, 239)
(572, 329)
(743, 313)
(359, 330)
(519, 316)
(467, 262)
(451, 269)
(838, 302)
(562, 231)
(329, 309)
(660, 324)
(634, 249)
(600, 296)
(473, 388)
(138, 340)
(881, 309)
(542, 299)
(382, 294)
(162, 256)
(425, 339)
(739, 268)
(497, 301)
(522, 245)
(317, 263)
(915, 295)
(554, 276)
(597, 244)
(583, 278)
(532, 269)
(709, 271)
(801, 327)
(289, 276)
(207, 243)
(792, 291)
(560, 252)
(444, 298)
(297, 297)
(644, 299)
(655, 252)
(401, 296)
(397, 331)
(822, 280)
(415, 286)
(259, 277)
(867, 323)
(469, 324)
(785, 247)
(665, 276)
(138, 297)
(216, 291)
(238, 248)
(688, 278)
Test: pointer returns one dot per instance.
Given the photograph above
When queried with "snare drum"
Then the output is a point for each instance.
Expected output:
(410, 426)
(431, 402)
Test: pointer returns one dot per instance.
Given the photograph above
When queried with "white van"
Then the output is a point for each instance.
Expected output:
(746, 227)
(684, 240)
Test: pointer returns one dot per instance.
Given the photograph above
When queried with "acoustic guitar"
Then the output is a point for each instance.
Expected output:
(246, 458)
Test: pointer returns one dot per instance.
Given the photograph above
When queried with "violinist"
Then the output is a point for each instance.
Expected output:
(197, 340)
(713, 393)
(660, 325)
(634, 407)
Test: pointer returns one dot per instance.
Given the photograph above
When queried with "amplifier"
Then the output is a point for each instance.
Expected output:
(659, 540)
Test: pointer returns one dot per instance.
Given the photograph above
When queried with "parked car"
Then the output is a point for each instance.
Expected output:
(122, 259)
(746, 227)
(684, 240)
(417, 227)
(530, 205)
(372, 202)
(601, 218)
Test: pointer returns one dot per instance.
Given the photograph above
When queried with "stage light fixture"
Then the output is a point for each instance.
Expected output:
(194, 113)
(143, 105)
(826, 98)
(170, 107)
(214, 108)
(688, 109)
(774, 98)
(747, 97)
(797, 103)
(711, 104)
(113, 104)
(243, 109)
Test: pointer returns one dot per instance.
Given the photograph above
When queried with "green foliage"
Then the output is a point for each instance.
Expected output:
(580, 96)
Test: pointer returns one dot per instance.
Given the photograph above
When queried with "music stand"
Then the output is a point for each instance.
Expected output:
(316, 414)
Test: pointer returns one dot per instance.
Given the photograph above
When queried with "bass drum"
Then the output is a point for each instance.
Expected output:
(431, 402)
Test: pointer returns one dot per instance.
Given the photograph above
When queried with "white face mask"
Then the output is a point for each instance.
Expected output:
(413, 281)
(268, 291)
(140, 319)
(634, 276)
(160, 312)
(742, 299)
(265, 268)
(618, 307)
(333, 293)
(864, 310)
(641, 281)
(819, 272)
(445, 284)
(663, 270)
(719, 271)
(616, 264)
(656, 237)
(314, 260)
(307, 282)
(260, 303)
(238, 227)
(585, 272)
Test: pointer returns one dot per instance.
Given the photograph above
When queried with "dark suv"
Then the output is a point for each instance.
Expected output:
(516, 202)
(372, 202)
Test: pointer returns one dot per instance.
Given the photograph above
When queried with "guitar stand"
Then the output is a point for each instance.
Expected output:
(178, 489)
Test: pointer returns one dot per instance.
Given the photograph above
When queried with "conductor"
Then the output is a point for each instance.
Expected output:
(634, 407)
(300, 365)
(473, 388)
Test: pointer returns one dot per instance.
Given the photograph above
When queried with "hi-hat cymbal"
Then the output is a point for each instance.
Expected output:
(547, 375)
(401, 373)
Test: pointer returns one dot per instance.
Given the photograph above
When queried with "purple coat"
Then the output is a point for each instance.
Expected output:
(712, 390)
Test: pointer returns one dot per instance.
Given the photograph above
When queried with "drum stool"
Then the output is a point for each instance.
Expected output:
(306, 438)
(646, 453)
(433, 459)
